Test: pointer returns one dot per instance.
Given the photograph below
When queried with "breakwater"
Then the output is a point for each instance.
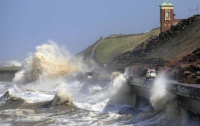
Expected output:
(188, 95)
(8, 73)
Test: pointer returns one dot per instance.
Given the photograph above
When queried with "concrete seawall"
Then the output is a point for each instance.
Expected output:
(187, 94)
(8, 73)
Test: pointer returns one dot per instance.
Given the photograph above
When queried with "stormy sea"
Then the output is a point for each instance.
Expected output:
(52, 89)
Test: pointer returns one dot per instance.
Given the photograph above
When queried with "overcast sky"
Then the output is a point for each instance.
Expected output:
(76, 24)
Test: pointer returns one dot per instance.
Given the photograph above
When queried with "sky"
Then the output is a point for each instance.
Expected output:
(76, 24)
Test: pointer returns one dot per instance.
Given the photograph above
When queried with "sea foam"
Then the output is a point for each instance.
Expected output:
(48, 62)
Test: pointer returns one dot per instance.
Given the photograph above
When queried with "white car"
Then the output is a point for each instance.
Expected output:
(151, 73)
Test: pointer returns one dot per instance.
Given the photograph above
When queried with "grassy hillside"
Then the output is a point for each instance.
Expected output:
(87, 51)
(113, 46)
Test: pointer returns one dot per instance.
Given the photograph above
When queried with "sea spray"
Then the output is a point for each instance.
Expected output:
(48, 62)
(120, 91)
(119, 82)
(61, 98)
(114, 75)
(109, 98)
(162, 99)
(43, 72)
(128, 71)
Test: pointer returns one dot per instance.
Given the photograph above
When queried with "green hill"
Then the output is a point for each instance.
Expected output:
(113, 46)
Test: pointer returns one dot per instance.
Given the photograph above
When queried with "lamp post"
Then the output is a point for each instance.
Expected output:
(197, 9)
(189, 10)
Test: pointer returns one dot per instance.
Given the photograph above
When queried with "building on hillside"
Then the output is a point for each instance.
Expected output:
(167, 16)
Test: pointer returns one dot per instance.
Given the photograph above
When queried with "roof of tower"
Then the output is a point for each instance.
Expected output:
(166, 4)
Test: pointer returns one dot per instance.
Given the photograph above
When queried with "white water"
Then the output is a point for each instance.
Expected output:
(43, 75)
(162, 99)
(49, 62)
(51, 71)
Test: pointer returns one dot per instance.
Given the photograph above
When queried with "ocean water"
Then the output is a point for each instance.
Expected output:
(51, 89)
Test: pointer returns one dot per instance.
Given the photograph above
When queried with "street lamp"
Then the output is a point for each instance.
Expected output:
(189, 10)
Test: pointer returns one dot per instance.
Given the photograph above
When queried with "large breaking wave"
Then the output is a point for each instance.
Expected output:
(43, 75)
(48, 62)
(47, 80)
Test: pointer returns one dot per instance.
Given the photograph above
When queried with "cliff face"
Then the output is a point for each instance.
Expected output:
(175, 43)
(185, 42)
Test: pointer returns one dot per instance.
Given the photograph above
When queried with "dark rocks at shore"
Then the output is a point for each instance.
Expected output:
(187, 69)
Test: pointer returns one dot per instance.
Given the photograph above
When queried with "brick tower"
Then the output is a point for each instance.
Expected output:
(167, 16)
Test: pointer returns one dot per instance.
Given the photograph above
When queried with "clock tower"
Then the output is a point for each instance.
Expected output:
(167, 16)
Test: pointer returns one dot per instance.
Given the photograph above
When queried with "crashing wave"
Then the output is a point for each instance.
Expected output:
(12, 102)
(6, 96)
(48, 62)
(60, 99)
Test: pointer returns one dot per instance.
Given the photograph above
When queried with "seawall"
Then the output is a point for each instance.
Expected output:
(8, 73)
(187, 94)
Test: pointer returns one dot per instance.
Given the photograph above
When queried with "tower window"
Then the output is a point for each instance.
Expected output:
(167, 15)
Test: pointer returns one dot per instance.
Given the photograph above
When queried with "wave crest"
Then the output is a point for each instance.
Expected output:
(48, 62)
(61, 98)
